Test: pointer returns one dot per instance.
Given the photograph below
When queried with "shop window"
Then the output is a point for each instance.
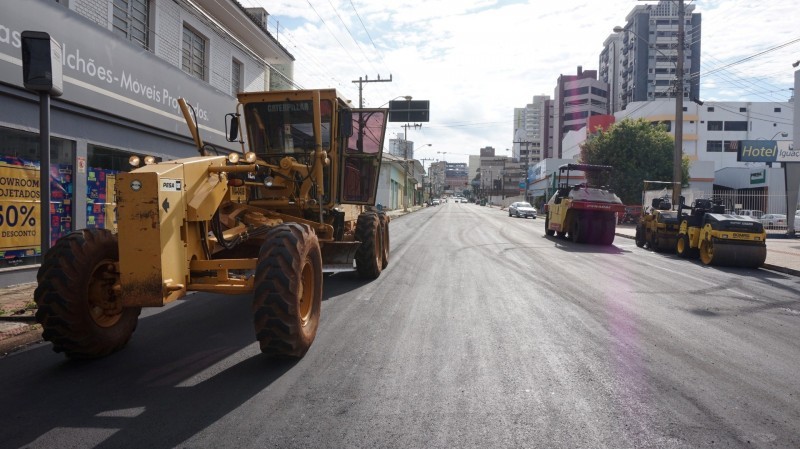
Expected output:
(20, 184)
(103, 164)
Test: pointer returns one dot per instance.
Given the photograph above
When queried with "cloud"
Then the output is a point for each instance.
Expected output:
(477, 60)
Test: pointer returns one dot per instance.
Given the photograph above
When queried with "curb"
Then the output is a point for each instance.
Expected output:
(19, 339)
(766, 266)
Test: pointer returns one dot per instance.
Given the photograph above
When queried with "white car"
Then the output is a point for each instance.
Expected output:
(521, 209)
(771, 221)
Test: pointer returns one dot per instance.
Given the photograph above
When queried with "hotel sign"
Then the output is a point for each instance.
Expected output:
(763, 151)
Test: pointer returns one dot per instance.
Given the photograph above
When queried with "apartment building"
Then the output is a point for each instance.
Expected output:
(639, 60)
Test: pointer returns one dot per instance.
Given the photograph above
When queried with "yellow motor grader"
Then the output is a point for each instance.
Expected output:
(268, 221)
(719, 238)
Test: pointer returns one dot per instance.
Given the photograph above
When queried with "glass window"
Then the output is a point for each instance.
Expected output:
(286, 128)
(236, 77)
(20, 186)
(130, 20)
(714, 125)
(736, 126)
(714, 146)
(103, 164)
(194, 54)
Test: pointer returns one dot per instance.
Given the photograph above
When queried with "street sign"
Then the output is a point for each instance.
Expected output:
(409, 111)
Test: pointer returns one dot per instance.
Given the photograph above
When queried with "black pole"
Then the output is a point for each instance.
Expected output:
(44, 169)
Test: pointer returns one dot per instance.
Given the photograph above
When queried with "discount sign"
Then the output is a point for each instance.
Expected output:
(19, 207)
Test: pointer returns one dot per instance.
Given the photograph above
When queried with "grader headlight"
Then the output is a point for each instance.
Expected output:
(233, 158)
(149, 160)
(250, 157)
(134, 161)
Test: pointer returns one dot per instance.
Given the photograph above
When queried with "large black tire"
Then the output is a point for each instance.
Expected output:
(608, 231)
(577, 229)
(369, 256)
(288, 293)
(547, 230)
(384, 219)
(640, 236)
(76, 302)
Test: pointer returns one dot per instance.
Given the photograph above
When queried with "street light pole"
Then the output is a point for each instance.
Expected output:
(677, 171)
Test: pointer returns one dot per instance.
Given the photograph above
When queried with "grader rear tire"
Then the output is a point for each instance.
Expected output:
(384, 220)
(288, 293)
(77, 306)
(369, 256)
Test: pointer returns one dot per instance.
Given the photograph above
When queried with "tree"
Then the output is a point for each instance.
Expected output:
(638, 151)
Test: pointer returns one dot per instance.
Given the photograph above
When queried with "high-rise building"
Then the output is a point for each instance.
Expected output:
(531, 130)
(639, 61)
(401, 147)
(576, 98)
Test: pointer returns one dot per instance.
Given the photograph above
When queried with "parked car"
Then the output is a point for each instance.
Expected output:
(772, 221)
(521, 209)
(750, 213)
(436, 201)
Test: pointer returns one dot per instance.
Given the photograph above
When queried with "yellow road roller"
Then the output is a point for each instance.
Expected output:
(658, 228)
(719, 238)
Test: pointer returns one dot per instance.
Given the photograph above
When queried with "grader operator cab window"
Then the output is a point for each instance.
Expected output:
(362, 156)
(282, 128)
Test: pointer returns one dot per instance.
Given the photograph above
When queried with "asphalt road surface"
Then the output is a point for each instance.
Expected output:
(481, 333)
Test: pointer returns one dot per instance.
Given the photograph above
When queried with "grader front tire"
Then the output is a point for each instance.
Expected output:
(77, 306)
(288, 294)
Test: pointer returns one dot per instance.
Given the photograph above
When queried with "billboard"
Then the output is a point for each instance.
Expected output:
(409, 111)
(763, 151)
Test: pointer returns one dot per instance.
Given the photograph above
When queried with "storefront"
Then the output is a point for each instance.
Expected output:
(119, 100)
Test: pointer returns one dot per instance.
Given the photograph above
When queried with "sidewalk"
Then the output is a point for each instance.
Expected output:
(18, 327)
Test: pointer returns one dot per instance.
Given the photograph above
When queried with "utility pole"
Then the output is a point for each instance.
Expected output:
(405, 159)
(366, 79)
(677, 160)
(430, 178)
(525, 165)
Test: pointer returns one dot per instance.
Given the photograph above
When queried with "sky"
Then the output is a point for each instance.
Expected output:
(478, 60)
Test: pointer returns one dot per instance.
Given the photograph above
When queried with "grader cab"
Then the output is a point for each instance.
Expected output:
(268, 220)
